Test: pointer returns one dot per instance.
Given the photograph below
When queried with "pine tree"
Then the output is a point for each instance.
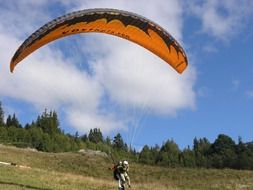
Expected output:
(48, 122)
(119, 143)
(169, 154)
(1, 115)
(222, 153)
(201, 147)
(146, 156)
(84, 138)
(8, 121)
(95, 135)
(13, 121)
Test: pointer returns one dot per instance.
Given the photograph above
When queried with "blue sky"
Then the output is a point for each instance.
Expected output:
(95, 80)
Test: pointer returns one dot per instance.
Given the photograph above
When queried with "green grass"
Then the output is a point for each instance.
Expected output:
(74, 171)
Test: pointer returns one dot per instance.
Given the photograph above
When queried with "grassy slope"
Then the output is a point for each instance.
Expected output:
(75, 171)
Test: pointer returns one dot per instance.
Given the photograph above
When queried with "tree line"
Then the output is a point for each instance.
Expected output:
(222, 153)
(44, 134)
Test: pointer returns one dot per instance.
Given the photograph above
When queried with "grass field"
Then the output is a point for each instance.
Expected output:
(76, 171)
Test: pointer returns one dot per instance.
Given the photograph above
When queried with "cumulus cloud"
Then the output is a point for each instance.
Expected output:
(133, 76)
(222, 19)
(19, 18)
(83, 121)
(121, 73)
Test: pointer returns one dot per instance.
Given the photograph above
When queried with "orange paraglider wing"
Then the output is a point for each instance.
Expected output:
(120, 23)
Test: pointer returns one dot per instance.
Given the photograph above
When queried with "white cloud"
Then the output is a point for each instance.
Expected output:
(132, 75)
(19, 18)
(84, 121)
(53, 82)
(128, 74)
(222, 19)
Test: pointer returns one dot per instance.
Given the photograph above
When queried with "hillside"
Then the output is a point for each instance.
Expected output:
(76, 171)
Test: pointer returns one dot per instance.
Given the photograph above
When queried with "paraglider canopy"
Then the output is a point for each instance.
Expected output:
(119, 23)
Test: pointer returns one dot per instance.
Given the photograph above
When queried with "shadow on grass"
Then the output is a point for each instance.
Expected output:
(22, 185)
